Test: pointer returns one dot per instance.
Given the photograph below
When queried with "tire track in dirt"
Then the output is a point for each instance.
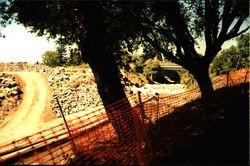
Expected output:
(28, 116)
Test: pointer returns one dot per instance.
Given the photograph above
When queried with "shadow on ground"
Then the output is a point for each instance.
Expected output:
(194, 135)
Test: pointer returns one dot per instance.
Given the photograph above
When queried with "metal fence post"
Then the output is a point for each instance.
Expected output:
(158, 105)
(64, 119)
(141, 107)
(227, 79)
(245, 79)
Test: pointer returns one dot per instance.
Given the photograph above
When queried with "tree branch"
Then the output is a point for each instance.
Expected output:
(212, 20)
(208, 37)
(166, 53)
(215, 17)
(225, 18)
(181, 31)
(166, 33)
(228, 17)
(235, 30)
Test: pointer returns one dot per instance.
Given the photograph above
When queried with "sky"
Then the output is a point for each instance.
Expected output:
(20, 45)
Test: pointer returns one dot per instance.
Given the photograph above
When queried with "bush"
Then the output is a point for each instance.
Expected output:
(52, 58)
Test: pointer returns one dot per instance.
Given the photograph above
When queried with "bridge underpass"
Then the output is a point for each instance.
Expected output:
(168, 74)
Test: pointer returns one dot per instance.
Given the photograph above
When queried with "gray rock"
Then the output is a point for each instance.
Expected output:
(2, 96)
(50, 79)
(13, 93)
(61, 69)
(4, 82)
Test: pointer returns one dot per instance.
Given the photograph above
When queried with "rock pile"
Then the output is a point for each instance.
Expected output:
(19, 67)
(76, 91)
(170, 89)
(10, 94)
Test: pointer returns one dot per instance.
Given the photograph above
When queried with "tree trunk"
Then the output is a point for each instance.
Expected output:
(201, 75)
(106, 75)
(96, 48)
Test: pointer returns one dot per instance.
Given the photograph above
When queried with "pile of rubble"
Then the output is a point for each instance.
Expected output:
(10, 94)
(167, 89)
(23, 66)
(76, 91)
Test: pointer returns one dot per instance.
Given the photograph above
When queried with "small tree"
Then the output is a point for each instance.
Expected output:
(75, 57)
(52, 58)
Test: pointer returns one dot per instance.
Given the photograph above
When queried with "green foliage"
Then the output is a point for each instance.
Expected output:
(52, 58)
(243, 48)
(236, 57)
(74, 57)
(61, 49)
(71, 57)
(188, 79)
(138, 63)
(132, 79)
(151, 67)
(5, 16)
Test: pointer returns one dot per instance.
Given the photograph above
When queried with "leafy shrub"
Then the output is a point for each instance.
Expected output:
(53, 58)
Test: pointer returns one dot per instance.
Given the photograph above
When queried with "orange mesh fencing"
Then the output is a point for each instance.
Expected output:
(93, 138)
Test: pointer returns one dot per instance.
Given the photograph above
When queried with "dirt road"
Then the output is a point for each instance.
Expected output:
(28, 117)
